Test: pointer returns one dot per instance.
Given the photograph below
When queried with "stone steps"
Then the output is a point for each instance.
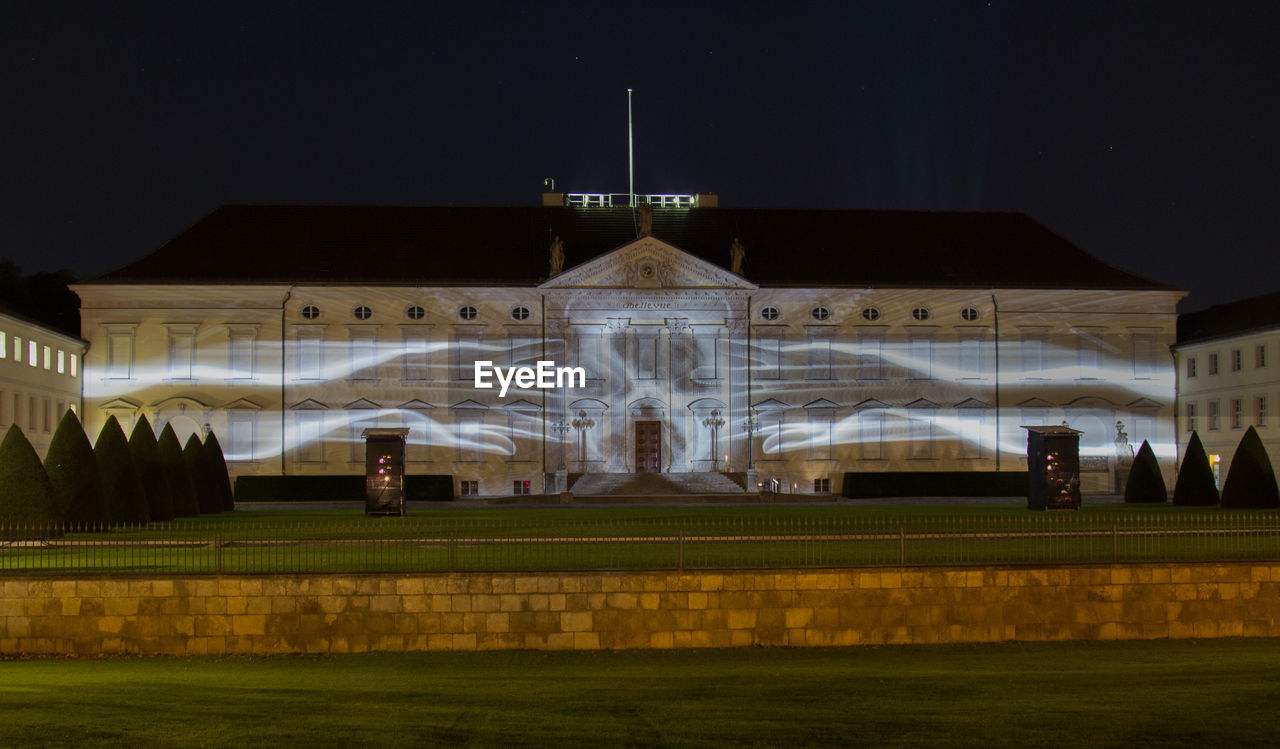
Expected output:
(654, 484)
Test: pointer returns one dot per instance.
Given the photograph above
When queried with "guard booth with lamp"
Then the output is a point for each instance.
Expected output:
(384, 471)
(1053, 468)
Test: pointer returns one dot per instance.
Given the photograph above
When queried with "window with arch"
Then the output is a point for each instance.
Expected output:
(770, 313)
(414, 312)
(361, 312)
(311, 312)
(468, 313)
(921, 313)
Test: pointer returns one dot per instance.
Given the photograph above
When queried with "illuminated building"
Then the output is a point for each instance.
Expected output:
(40, 377)
(1227, 377)
(849, 341)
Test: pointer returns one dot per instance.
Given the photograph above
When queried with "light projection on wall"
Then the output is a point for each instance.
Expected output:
(824, 398)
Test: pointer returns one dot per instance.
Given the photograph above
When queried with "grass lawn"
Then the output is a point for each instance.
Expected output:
(1131, 694)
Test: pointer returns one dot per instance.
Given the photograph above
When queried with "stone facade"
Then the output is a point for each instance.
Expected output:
(40, 378)
(801, 384)
(604, 610)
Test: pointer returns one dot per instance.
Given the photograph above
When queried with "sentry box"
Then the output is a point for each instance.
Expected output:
(1053, 468)
(384, 471)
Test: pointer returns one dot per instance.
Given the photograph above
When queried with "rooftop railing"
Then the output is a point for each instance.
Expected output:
(623, 199)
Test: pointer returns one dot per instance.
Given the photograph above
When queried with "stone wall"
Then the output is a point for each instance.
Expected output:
(587, 611)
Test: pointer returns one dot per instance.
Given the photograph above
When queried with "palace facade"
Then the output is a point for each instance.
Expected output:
(794, 344)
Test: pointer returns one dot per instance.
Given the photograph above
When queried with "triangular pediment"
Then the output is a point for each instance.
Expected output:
(361, 404)
(648, 263)
(119, 404)
(522, 405)
(771, 405)
(921, 403)
(1142, 404)
(971, 403)
(469, 405)
(416, 405)
(821, 403)
(870, 403)
(308, 405)
(1036, 403)
(241, 404)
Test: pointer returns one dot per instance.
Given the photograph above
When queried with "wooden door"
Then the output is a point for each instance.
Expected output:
(648, 446)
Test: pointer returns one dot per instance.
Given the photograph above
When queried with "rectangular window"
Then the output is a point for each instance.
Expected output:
(920, 357)
(75, 360)
(969, 358)
(921, 426)
(364, 354)
(870, 358)
(1089, 354)
(708, 365)
(822, 486)
(48, 357)
(871, 439)
(970, 434)
(17, 349)
(1213, 364)
(17, 410)
(466, 349)
(48, 414)
(820, 357)
(3, 401)
(309, 428)
(182, 351)
(1260, 411)
(820, 427)
(468, 488)
(1236, 360)
(241, 341)
(1259, 355)
(524, 348)
(469, 438)
(519, 487)
(33, 353)
(524, 435)
(587, 352)
(4, 346)
(310, 363)
(646, 357)
(240, 445)
(1191, 417)
(62, 362)
(1213, 415)
(33, 417)
(1144, 356)
(1235, 413)
(769, 353)
(119, 355)
(413, 357)
(1191, 366)
(1035, 353)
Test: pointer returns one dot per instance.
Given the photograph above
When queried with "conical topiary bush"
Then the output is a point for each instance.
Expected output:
(198, 469)
(146, 459)
(1146, 484)
(73, 471)
(28, 506)
(1251, 480)
(126, 500)
(218, 474)
(181, 488)
(1195, 484)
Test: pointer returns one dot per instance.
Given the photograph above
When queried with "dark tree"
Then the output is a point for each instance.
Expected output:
(26, 496)
(73, 471)
(1195, 478)
(1146, 484)
(44, 297)
(218, 471)
(146, 459)
(126, 498)
(198, 469)
(181, 488)
(1251, 481)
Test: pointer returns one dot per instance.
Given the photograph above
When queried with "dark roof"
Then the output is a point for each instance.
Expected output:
(1232, 318)
(450, 245)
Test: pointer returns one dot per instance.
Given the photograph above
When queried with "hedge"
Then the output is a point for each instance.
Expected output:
(198, 467)
(1251, 481)
(217, 465)
(334, 488)
(126, 498)
(26, 496)
(1195, 485)
(146, 459)
(935, 484)
(1146, 483)
(181, 487)
(73, 471)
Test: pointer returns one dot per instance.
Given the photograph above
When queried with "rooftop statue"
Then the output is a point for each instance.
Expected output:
(736, 252)
(646, 220)
(557, 256)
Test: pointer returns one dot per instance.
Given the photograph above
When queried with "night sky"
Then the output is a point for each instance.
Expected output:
(1144, 132)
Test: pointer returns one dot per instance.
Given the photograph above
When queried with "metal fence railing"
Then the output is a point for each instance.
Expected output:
(215, 546)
